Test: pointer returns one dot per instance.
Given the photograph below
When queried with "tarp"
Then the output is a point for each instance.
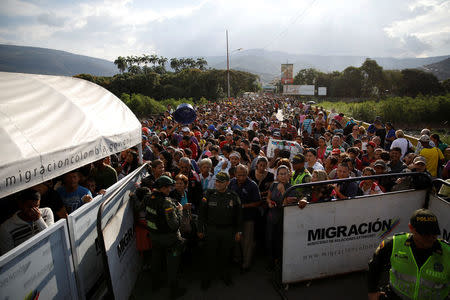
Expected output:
(50, 125)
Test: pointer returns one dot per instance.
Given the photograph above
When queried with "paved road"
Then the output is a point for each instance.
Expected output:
(257, 284)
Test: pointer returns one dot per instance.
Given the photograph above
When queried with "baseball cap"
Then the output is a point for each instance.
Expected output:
(425, 222)
(380, 163)
(164, 181)
(185, 129)
(424, 138)
(211, 127)
(299, 158)
(277, 134)
(222, 177)
(420, 160)
(372, 144)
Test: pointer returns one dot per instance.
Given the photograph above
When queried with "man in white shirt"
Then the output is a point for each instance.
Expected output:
(25, 223)
(401, 142)
(311, 159)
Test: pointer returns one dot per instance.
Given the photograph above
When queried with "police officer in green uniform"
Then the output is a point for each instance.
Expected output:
(418, 262)
(301, 174)
(220, 222)
(163, 220)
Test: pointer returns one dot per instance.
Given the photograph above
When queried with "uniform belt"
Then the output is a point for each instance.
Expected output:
(221, 226)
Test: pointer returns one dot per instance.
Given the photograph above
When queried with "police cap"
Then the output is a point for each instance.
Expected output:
(425, 222)
(163, 181)
(299, 158)
(222, 177)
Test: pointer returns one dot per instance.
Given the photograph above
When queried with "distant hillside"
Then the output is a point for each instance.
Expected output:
(51, 62)
(267, 63)
(440, 69)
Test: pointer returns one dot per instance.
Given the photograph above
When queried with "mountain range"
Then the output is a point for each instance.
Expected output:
(262, 62)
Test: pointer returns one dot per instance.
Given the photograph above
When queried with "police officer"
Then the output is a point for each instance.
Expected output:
(163, 220)
(419, 262)
(300, 174)
(220, 219)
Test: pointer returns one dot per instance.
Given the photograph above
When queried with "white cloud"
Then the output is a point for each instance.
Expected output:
(109, 28)
(430, 27)
(19, 8)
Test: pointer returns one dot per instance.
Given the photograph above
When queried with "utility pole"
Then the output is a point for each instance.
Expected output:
(228, 70)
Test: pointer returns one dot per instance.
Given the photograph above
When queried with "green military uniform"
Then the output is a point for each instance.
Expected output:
(414, 273)
(163, 221)
(221, 217)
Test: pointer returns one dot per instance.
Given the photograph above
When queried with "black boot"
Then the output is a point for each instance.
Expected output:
(176, 291)
(206, 283)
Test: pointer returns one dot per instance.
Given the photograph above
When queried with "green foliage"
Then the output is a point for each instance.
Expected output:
(188, 83)
(142, 106)
(398, 110)
(371, 81)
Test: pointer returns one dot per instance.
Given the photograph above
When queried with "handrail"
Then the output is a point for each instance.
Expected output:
(101, 241)
(351, 179)
(439, 180)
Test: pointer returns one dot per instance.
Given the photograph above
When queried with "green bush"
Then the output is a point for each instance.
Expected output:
(402, 110)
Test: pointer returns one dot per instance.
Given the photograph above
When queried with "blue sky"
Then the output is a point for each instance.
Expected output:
(109, 28)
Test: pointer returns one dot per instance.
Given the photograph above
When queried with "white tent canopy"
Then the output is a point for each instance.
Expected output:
(50, 125)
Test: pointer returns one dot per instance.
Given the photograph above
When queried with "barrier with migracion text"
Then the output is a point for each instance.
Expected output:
(40, 267)
(117, 239)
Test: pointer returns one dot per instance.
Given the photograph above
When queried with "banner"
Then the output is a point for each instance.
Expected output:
(441, 209)
(331, 238)
(292, 146)
(83, 236)
(298, 90)
(322, 91)
(287, 73)
(39, 268)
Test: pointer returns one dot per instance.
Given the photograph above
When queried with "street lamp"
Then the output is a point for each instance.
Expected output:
(228, 67)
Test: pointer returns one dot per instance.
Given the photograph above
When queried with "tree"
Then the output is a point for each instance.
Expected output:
(201, 63)
(373, 78)
(352, 79)
(446, 85)
(416, 82)
(175, 64)
(306, 76)
(121, 63)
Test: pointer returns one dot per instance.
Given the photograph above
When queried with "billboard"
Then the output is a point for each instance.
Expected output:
(331, 238)
(287, 74)
(322, 91)
(298, 90)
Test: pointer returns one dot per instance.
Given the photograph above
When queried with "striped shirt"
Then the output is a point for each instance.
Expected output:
(15, 230)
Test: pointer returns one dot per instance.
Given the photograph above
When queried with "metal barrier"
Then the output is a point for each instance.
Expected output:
(86, 252)
(115, 221)
(330, 238)
(41, 267)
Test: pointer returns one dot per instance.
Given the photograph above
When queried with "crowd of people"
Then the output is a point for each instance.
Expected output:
(228, 153)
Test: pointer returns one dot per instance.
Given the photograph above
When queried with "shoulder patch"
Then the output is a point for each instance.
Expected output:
(400, 233)
(168, 210)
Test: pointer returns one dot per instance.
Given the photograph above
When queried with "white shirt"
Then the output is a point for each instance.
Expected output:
(317, 166)
(403, 144)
